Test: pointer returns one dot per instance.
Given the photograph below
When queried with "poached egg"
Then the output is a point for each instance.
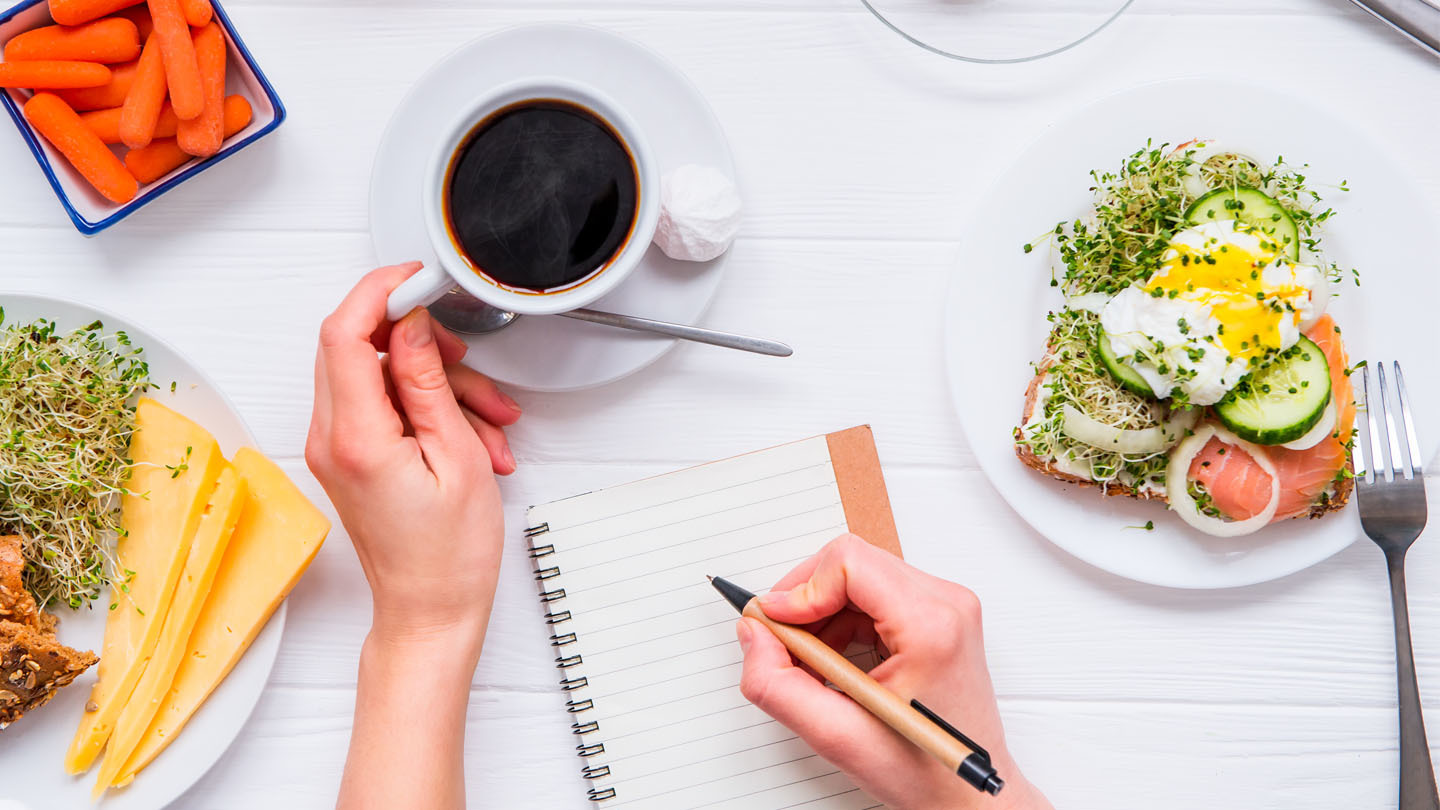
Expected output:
(1224, 301)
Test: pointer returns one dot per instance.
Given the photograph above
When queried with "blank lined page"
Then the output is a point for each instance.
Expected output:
(655, 644)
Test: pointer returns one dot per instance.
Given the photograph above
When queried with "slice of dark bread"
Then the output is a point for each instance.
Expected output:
(1337, 497)
(34, 665)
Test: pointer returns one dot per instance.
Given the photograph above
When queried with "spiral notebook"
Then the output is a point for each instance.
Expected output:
(646, 650)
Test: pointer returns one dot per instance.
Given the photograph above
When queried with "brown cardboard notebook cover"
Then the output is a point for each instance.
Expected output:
(862, 487)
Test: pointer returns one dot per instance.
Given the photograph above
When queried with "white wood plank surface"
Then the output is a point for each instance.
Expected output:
(859, 157)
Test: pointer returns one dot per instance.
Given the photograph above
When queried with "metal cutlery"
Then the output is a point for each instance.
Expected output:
(683, 332)
(1417, 19)
(460, 312)
(1391, 494)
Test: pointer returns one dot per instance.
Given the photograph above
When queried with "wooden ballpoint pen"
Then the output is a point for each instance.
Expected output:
(911, 720)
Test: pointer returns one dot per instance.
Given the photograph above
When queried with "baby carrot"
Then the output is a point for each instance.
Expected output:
(164, 155)
(53, 75)
(105, 96)
(140, 15)
(182, 73)
(106, 123)
(197, 12)
(53, 118)
(107, 41)
(76, 12)
(147, 95)
(201, 136)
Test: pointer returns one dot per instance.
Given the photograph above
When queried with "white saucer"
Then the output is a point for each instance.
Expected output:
(550, 353)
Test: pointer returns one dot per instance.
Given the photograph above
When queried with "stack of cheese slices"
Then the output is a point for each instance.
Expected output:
(214, 547)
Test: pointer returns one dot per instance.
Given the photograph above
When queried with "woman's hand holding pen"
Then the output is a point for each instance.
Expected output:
(931, 630)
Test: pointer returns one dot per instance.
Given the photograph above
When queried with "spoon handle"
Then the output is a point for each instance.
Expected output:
(675, 330)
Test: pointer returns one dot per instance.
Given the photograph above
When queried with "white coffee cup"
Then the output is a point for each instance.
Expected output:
(435, 280)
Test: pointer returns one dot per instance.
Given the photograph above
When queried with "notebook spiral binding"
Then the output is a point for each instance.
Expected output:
(572, 680)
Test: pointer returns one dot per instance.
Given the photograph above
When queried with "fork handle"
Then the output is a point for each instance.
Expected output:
(1417, 775)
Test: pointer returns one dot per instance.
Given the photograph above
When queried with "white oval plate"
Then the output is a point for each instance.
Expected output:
(551, 353)
(32, 751)
(996, 327)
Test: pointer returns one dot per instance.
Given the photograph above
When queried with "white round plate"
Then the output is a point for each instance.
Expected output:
(996, 327)
(551, 353)
(32, 750)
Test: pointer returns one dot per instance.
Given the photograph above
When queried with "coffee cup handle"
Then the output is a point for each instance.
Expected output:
(422, 289)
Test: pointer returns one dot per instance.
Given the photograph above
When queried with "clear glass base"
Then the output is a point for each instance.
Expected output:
(996, 31)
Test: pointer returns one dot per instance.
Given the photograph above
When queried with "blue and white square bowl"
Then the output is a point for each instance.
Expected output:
(91, 212)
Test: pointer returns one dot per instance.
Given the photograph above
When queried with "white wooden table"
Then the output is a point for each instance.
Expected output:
(859, 156)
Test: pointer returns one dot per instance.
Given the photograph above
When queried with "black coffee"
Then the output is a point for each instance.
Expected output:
(541, 194)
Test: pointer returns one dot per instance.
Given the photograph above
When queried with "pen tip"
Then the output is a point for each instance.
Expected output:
(709, 578)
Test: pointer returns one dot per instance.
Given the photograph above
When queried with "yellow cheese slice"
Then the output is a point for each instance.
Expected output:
(174, 466)
(277, 537)
(211, 538)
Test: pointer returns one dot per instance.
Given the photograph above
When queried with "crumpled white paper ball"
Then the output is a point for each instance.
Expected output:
(699, 213)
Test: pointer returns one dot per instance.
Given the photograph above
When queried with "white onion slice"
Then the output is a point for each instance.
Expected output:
(1177, 481)
(1317, 434)
(1319, 300)
(1205, 149)
(1097, 434)
(1088, 302)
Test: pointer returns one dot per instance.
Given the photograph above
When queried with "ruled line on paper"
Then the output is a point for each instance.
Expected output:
(667, 635)
(645, 551)
(665, 681)
(613, 760)
(713, 758)
(681, 721)
(823, 798)
(693, 496)
(732, 776)
(704, 559)
(777, 787)
(658, 660)
(671, 700)
(727, 575)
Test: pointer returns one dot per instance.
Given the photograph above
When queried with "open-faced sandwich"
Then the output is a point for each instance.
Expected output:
(1193, 361)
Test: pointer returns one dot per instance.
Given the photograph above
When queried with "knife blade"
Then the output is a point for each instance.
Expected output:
(1416, 19)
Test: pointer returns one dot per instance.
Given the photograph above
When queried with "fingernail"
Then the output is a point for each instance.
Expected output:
(773, 598)
(509, 458)
(509, 403)
(744, 634)
(417, 331)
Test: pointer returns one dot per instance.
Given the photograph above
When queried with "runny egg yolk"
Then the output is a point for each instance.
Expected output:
(1230, 279)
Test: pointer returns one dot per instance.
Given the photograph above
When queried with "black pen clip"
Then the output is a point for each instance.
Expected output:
(951, 730)
(976, 769)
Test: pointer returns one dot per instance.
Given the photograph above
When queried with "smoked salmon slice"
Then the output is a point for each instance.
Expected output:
(1238, 486)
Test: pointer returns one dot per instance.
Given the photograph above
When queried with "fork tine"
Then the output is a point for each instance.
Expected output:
(1379, 469)
(1412, 440)
(1397, 464)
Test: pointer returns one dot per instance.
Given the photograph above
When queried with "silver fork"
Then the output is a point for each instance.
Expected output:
(1391, 494)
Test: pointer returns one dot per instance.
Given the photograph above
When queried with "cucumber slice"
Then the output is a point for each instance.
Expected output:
(1282, 401)
(1124, 372)
(1253, 207)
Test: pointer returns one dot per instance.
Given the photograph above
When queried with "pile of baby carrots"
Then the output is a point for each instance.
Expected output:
(150, 77)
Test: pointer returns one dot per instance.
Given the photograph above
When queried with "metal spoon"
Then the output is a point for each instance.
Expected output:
(460, 312)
